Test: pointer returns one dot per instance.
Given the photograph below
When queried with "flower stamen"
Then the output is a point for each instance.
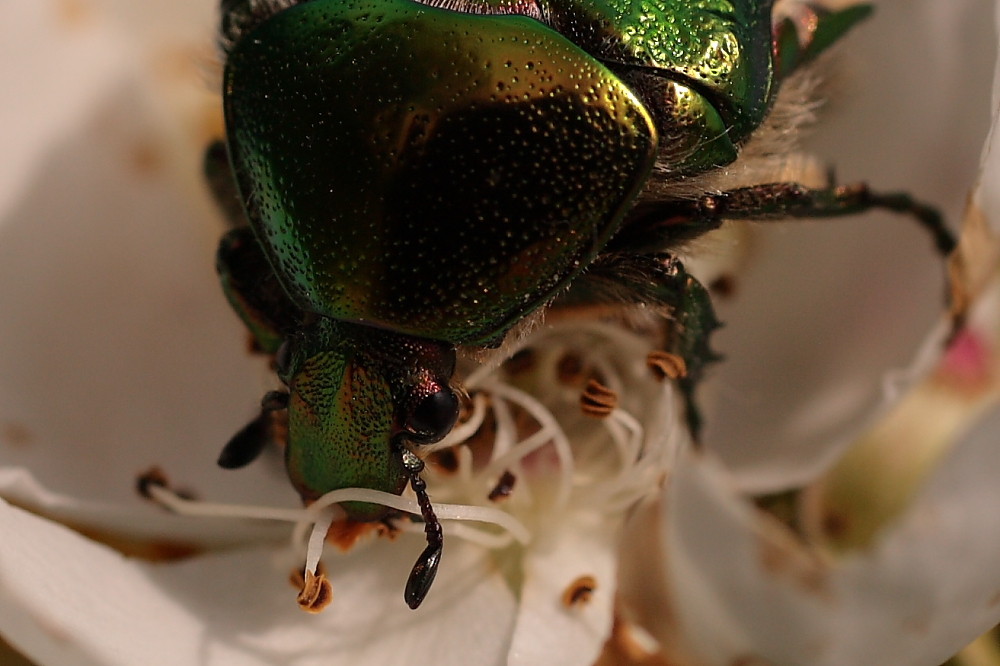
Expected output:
(579, 592)
(598, 400)
(666, 365)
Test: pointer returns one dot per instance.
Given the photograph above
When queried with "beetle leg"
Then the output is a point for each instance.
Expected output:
(254, 293)
(659, 280)
(253, 290)
(783, 200)
(219, 176)
(665, 224)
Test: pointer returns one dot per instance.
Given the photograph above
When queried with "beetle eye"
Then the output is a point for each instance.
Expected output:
(433, 417)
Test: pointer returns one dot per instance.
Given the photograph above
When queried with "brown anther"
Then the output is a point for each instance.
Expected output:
(316, 594)
(522, 361)
(569, 369)
(723, 286)
(154, 476)
(666, 365)
(579, 592)
(598, 400)
(297, 576)
(504, 487)
(444, 460)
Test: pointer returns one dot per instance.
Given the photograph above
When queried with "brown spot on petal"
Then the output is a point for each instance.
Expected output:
(316, 594)
(504, 487)
(16, 434)
(666, 365)
(146, 158)
(579, 592)
(74, 13)
(598, 400)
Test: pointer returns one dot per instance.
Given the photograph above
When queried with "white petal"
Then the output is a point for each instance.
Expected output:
(548, 631)
(243, 602)
(745, 588)
(121, 351)
(66, 600)
(828, 307)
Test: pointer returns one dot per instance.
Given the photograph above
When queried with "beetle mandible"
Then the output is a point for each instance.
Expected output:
(406, 178)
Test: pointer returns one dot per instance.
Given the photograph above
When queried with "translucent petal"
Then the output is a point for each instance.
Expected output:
(826, 308)
(746, 589)
(551, 628)
(122, 352)
(67, 600)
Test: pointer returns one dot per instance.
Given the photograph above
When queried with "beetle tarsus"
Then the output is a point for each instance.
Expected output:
(425, 568)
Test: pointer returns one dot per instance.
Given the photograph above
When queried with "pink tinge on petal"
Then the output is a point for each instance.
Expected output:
(967, 362)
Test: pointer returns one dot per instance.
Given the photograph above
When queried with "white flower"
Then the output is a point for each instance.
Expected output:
(120, 352)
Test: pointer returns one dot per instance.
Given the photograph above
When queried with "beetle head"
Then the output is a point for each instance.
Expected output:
(358, 396)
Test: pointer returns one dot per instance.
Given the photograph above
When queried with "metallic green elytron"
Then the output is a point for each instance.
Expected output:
(422, 176)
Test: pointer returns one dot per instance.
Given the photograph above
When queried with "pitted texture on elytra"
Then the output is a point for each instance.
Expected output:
(721, 48)
(436, 173)
(712, 55)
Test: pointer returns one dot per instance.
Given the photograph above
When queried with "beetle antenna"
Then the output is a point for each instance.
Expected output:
(246, 445)
(426, 567)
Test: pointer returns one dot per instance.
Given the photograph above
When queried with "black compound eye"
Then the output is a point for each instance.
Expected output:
(433, 416)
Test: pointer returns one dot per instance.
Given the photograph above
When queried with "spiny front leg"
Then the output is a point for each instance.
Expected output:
(659, 281)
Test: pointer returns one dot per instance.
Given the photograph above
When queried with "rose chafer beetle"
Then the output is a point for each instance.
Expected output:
(407, 178)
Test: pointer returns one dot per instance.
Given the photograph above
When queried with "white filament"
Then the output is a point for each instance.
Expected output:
(610, 464)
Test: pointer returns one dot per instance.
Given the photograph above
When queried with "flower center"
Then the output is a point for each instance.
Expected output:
(579, 420)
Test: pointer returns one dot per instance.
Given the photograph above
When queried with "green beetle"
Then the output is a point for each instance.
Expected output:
(423, 176)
